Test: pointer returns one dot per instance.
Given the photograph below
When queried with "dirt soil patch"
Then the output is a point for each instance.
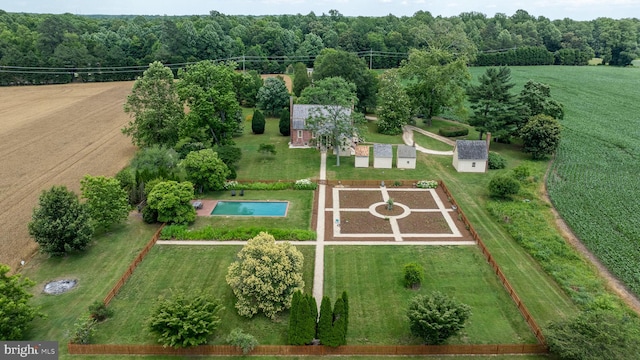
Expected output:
(424, 222)
(54, 135)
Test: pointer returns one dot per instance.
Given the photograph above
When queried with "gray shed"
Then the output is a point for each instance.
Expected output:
(382, 156)
(470, 155)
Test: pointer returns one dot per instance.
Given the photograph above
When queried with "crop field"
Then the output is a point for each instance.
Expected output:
(594, 179)
(54, 135)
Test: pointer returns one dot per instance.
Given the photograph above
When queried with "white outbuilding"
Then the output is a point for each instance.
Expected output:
(382, 156)
(470, 156)
(406, 157)
(362, 156)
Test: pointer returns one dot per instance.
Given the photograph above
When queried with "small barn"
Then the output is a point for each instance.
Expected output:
(406, 157)
(362, 156)
(382, 156)
(470, 156)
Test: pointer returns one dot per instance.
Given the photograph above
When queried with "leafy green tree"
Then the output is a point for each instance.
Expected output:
(495, 108)
(15, 311)
(154, 162)
(172, 201)
(247, 86)
(503, 186)
(273, 96)
(285, 123)
(206, 170)
(347, 65)
(184, 321)
(334, 127)
(107, 201)
(325, 322)
(301, 78)
(155, 107)
(394, 106)
(437, 79)
(413, 275)
(60, 223)
(540, 136)
(536, 99)
(208, 89)
(594, 334)
(257, 122)
(265, 276)
(330, 91)
(436, 317)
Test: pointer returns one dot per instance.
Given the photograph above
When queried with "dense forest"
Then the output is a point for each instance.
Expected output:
(46, 48)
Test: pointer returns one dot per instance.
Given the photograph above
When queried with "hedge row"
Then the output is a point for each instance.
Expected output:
(208, 232)
(454, 131)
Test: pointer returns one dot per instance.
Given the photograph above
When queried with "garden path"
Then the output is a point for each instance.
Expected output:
(407, 137)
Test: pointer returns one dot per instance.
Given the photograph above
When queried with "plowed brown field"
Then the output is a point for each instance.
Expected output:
(54, 135)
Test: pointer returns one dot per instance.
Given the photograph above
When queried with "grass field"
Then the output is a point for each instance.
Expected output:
(189, 268)
(373, 278)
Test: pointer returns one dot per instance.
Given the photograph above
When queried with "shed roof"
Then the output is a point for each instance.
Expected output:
(382, 151)
(362, 150)
(406, 152)
(471, 149)
(301, 112)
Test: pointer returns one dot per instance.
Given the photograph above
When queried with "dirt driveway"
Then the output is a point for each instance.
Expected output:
(54, 135)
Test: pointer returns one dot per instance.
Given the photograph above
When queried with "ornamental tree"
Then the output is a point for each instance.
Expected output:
(284, 125)
(155, 107)
(257, 122)
(206, 170)
(273, 95)
(172, 201)
(108, 202)
(60, 223)
(436, 317)
(540, 136)
(265, 276)
(15, 311)
(183, 321)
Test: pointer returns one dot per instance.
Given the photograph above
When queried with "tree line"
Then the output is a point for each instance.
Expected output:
(46, 48)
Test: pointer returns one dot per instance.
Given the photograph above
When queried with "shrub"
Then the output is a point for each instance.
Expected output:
(149, 215)
(436, 317)
(241, 233)
(284, 124)
(246, 342)
(503, 186)
(234, 185)
(427, 184)
(496, 161)
(183, 321)
(521, 172)
(257, 122)
(454, 131)
(305, 184)
(99, 311)
(413, 275)
(83, 330)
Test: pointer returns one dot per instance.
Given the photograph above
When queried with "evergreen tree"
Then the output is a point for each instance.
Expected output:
(337, 334)
(300, 78)
(345, 299)
(258, 122)
(294, 319)
(285, 123)
(326, 320)
(312, 318)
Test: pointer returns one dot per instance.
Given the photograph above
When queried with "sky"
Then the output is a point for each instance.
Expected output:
(552, 9)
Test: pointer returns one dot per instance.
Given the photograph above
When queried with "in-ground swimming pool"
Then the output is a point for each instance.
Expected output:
(251, 208)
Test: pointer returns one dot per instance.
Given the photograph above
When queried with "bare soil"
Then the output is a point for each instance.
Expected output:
(54, 135)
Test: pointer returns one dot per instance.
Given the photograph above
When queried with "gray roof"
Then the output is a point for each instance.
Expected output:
(382, 150)
(406, 151)
(301, 112)
(471, 149)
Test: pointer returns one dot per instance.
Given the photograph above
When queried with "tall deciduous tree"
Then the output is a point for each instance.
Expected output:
(108, 202)
(265, 276)
(247, 86)
(332, 63)
(436, 317)
(214, 111)
(15, 311)
(330, 91)
(155, 107)
(300, 78)
(172, 201)
(60, 223)
(206, 170)
(273, 96)
(394, 106)
(495, 108)
(536, 99)
(334, 127)
(540, 136)
(436, 81)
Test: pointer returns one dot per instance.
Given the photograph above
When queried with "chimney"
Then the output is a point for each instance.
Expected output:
(486, 167)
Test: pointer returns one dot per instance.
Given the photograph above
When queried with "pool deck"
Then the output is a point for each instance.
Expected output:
(207, 207)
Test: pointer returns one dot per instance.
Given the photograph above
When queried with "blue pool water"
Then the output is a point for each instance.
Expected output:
(251, 208)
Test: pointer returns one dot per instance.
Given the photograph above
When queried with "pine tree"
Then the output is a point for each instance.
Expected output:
(312, 319)
(257, 122)
(326, 320)
(337, 335)
(345, 298)
(285, 123)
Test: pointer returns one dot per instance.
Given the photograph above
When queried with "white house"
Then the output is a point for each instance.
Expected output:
(382, 156)
(362, 156)
(471, 155)
(406, 157)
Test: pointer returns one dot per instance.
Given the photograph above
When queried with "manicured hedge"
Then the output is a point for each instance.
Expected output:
(454, 131)
(243, 233)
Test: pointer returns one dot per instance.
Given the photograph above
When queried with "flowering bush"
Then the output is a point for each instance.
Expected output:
(229, 185)
(427, 184)
(305, 184)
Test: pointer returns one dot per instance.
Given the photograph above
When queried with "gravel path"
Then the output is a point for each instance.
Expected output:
(407, 137)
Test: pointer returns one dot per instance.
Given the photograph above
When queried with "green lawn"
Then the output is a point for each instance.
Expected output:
(430, 143)
(189, 268)
(298, 215)
(373, 278)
